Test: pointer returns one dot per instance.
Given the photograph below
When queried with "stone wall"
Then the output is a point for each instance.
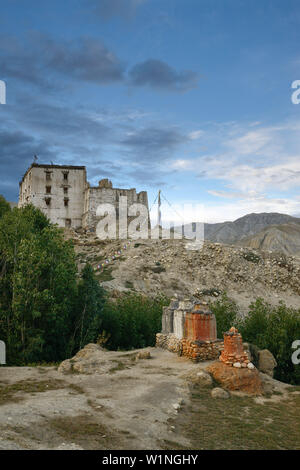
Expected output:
(106, 194)
(56, 190)
(189, 329)
(197, 351)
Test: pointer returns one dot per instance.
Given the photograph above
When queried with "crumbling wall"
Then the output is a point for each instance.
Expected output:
(106, 194)
(189, 329)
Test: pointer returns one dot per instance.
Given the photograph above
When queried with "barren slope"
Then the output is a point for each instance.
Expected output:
(166, 266)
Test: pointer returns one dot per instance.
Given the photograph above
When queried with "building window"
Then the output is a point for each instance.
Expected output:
(48, 201)
(66, 175)
(48, 176)
(66, 201)
(68, 222)
(66, 190)
(48, 189)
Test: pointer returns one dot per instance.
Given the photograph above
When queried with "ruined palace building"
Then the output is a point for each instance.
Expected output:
(65, 196)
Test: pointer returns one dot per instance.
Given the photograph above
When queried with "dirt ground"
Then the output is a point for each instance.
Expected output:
(127, 407)
(134, 404)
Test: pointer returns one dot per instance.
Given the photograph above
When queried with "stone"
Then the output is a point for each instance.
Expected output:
(218, 392)
(266, 362)
(143, 355)
(201, 379)
(65, 367)
(237, 364)
(250, 365)
(240, 379)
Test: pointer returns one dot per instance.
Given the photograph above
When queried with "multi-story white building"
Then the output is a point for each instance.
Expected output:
(65, 196)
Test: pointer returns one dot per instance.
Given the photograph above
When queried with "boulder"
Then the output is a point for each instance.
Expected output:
(232, 378)
(266, 362)
(198, 379)
(218, 392)
(143, 355)
(90, 359)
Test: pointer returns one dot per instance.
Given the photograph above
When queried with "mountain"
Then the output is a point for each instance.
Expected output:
(251, 224)
(244, 227)
(284, 238)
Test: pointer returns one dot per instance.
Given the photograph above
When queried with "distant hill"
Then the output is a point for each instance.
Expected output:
(251, 224)
(284, 238)
(244, 227)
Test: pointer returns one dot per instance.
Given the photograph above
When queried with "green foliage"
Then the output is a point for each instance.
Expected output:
(274, 328)
(44, 314)
(250, 256)
(132, 321)
(88, 311)
(225, 311)
(4, 206)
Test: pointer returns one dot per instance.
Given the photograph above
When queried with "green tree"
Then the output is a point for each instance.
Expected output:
(88, 310)
(274, 328)
(4, 206)
(132, 321)
(225, 311)
(37, 287)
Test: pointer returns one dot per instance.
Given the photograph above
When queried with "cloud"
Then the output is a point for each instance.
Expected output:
(50, 63)
(40, 60)
(195, 135)
(107, 9)
(16, 153)
(153, 143)
(159, 75)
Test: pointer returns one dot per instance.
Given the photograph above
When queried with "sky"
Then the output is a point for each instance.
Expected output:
(193, 97)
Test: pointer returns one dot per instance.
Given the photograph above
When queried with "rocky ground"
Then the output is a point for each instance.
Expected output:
(168, 267)
(114, 400)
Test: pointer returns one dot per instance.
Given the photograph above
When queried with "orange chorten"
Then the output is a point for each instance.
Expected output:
(233, 353)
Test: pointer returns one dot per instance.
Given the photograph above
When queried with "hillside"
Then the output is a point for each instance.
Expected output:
(283, 238)
(168, 267)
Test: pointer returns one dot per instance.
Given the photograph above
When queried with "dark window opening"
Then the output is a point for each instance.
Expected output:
(66, 201)
(48, 200)
(48, 176)
(48, 189)
(66, 190)
(66, 175)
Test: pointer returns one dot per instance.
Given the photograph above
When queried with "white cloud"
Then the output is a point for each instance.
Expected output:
(196, 134)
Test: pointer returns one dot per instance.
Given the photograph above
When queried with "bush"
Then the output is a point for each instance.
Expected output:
(226, 312)
(132, 321)
(274, 328)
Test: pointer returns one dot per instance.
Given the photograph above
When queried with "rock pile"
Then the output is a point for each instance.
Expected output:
(233, 353)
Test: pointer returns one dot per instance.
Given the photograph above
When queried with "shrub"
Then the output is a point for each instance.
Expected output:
(225, 311)
(274, 328)
(250, 256)
(132, 321)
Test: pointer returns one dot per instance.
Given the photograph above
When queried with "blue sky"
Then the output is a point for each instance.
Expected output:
(189, 96)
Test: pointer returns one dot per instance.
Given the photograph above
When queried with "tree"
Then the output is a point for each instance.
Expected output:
(87, 318)
(37, 287)
(4, 206)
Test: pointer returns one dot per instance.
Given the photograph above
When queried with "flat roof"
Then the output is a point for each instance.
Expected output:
(63, 167)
